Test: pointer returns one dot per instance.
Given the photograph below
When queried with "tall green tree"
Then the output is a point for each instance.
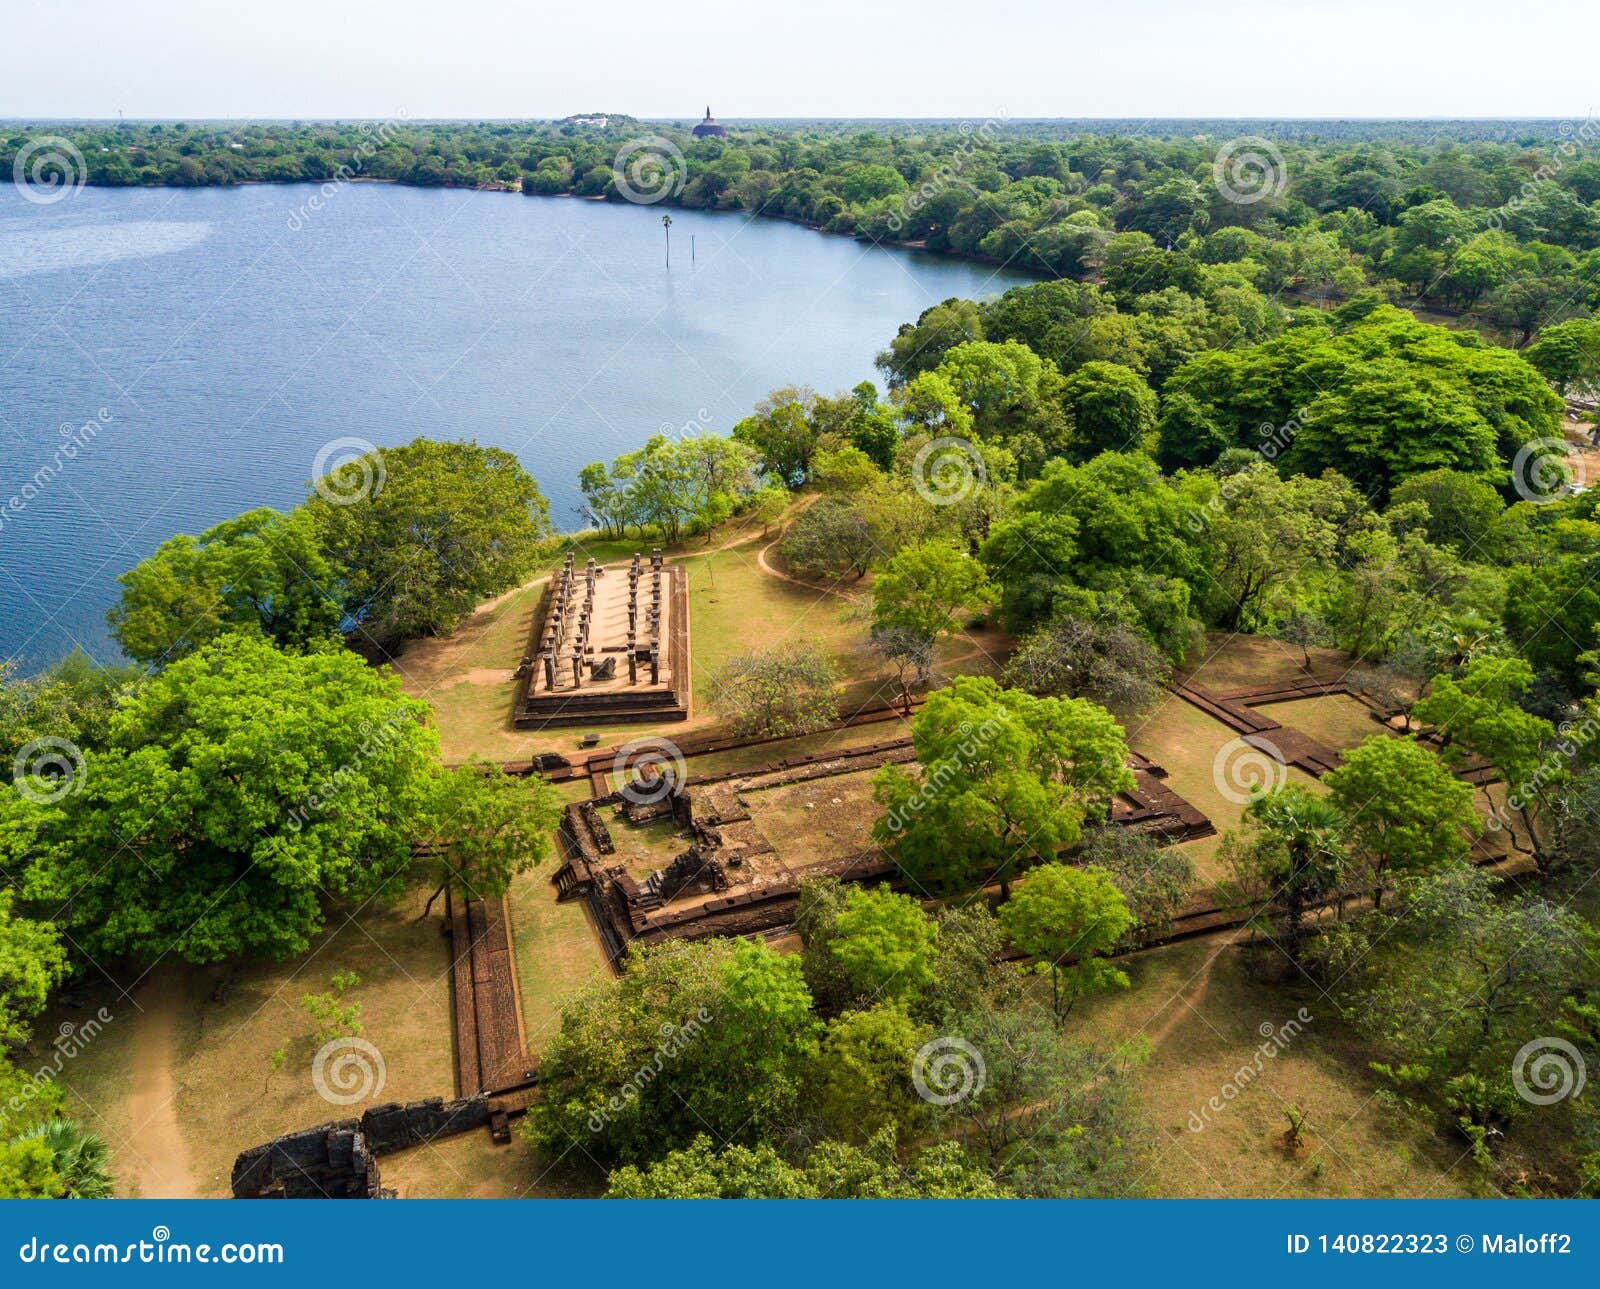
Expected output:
(1112, 410)
(885, 944)
(1006, 780)
(1404, 811)
(429, 531)
(693, 1037)
(238, 793)
(1479, 714)
(263, 571)
(927, 588)
(1288, 856)
(1068, 918)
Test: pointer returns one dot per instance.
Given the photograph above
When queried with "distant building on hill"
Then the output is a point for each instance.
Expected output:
(709, 129)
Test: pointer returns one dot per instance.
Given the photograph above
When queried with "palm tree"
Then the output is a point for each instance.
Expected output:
(1307, 862)
(82, 1160)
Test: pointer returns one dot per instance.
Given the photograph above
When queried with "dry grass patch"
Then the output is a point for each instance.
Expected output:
(1187, 743)
(557, 950)
(1339, 720)
(217, 1088)
(1227, 662)
(1208, 1020)
(818, 820)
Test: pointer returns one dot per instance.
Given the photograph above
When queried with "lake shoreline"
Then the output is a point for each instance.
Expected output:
(919, 246)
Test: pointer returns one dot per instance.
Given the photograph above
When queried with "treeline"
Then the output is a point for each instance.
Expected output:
(1500, 220)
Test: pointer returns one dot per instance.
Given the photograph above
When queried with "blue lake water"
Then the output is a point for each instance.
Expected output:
(169, 358)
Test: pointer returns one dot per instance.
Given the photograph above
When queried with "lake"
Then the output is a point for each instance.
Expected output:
(171, 357)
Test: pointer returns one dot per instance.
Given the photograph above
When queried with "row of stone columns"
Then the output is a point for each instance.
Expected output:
(570, 617)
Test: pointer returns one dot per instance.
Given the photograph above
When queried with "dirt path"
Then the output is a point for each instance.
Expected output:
(761, 560)
(1188, 1002)
(159, 1162)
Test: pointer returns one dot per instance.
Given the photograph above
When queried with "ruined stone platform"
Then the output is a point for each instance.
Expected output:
(610, 645)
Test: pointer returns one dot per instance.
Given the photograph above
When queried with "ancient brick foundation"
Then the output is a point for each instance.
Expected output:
(340, 1160)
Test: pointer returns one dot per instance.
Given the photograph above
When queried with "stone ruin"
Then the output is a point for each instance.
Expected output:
(570, 626)
(613, 646)
(332, 1161)
(340, 1160)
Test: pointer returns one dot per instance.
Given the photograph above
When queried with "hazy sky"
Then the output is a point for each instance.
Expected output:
(972, 58)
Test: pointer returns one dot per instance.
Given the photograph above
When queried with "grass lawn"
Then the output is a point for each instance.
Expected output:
(1188, 743)
(1207, 1019)
(557, 951)
(473, 1167)
(1338, 720)
(1227, 662)
(210, 1063)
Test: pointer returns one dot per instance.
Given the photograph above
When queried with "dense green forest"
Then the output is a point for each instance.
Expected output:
(1499, 218)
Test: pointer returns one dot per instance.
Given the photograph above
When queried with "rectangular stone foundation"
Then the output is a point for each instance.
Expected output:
(554, 693)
